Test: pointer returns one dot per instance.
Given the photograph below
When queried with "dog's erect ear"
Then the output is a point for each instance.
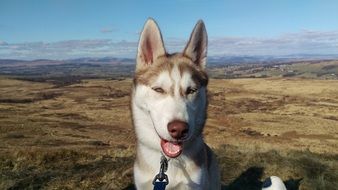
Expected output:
(150, 45)
(196, 48)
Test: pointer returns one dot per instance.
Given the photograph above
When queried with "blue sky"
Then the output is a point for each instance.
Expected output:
(61, 29)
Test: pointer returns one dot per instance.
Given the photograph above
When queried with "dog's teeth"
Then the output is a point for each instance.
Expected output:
(171, 149)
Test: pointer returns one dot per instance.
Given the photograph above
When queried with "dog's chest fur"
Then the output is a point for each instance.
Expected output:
(183, 173)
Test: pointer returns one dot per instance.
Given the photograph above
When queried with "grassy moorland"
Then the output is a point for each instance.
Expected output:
(77, 134)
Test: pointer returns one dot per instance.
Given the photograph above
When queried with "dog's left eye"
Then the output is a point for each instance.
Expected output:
(191, 90)
(158, 89)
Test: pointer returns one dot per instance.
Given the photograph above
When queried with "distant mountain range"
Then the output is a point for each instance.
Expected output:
(84, 60)
(311, 66)
(103, 60)
(233, 60)
(212, 60)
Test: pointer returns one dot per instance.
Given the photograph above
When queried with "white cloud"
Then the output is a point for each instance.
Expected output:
(303, 42)
(108, 30)
(67, 49)
(3, 43)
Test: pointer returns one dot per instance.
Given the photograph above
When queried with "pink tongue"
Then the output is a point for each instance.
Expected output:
(170, 149)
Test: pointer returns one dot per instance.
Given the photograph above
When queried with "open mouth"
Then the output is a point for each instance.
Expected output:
(171, 149)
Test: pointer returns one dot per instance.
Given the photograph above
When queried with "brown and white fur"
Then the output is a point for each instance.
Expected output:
(167, 88)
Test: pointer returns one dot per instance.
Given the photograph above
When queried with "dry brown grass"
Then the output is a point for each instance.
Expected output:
(80, 136)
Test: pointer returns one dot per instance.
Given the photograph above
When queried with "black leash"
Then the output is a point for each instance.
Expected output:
(161, 179)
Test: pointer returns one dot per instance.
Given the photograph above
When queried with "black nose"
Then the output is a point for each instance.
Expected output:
(178, 129)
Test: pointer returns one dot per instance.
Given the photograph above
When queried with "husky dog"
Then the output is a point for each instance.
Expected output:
(169, 102)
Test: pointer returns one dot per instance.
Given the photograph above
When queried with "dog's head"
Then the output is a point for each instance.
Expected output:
(169, 96)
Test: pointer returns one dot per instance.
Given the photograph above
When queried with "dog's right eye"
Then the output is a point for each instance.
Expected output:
(191, 90)
(158, 89)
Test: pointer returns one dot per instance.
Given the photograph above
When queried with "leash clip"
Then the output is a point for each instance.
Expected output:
(161, 179)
